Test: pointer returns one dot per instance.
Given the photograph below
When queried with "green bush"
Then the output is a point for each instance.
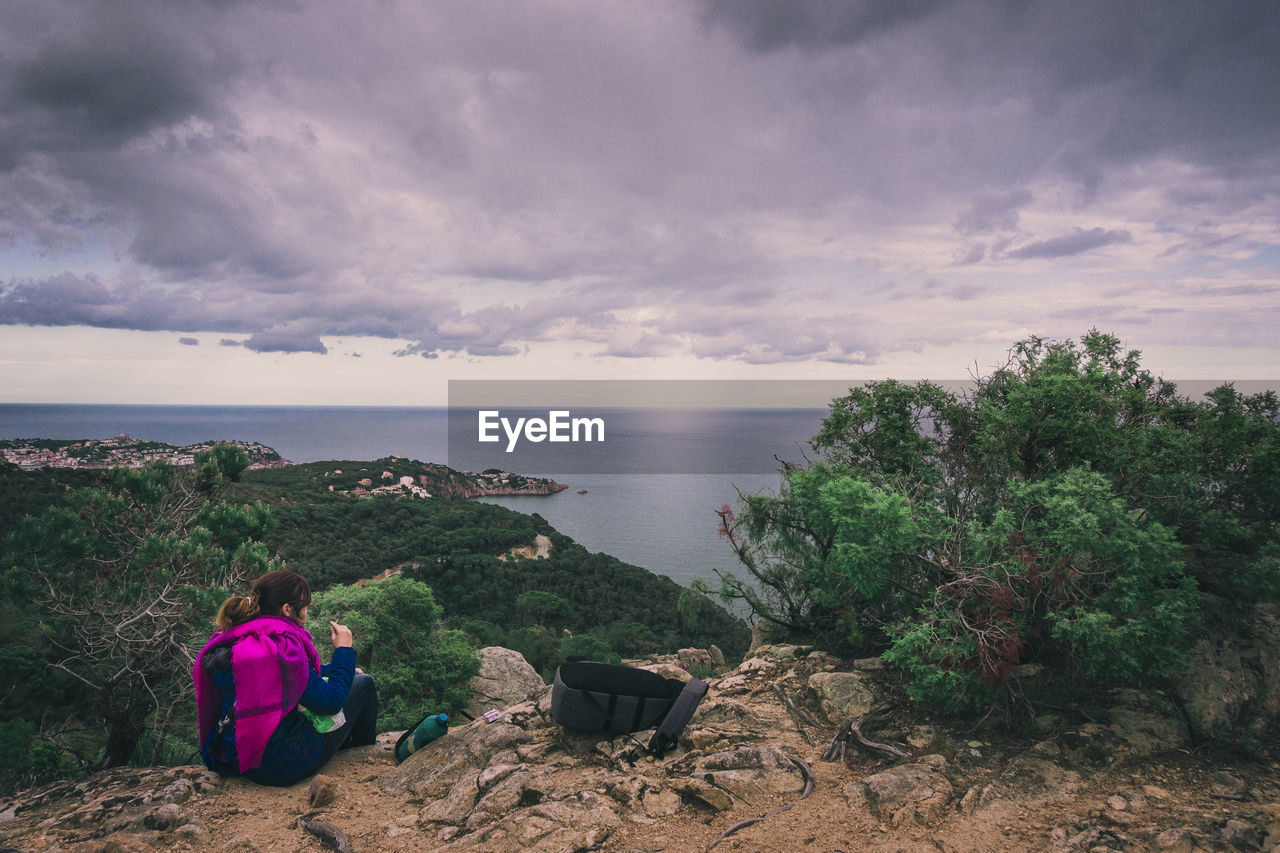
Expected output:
(418, 666)
(25, 760)
(1066, 510)
(588, 648)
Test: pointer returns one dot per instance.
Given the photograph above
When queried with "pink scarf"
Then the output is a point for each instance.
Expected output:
(270, 662)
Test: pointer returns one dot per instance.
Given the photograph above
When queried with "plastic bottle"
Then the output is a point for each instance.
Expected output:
(428, 730)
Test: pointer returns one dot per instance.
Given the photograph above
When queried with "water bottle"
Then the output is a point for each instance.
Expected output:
(428, 730)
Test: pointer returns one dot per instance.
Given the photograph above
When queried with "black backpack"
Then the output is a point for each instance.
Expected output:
(603, 697)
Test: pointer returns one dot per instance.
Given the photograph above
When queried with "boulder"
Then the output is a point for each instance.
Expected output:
(432, 771)
(691, 658)
(1230, 692)
(843, 696)
(909, 793)
(505, 678)
(1147, 723)
(751, 773)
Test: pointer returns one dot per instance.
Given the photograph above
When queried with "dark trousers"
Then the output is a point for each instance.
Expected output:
(361, 711)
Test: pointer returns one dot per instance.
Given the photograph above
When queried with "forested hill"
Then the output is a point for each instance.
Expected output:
(463, 550)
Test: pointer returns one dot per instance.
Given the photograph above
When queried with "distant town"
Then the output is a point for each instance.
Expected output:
(120, 450)
(394, 476)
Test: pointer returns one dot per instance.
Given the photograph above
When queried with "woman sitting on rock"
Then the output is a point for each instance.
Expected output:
(266, 709)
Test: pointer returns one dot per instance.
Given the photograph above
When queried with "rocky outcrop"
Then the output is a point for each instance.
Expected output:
(1231, 692)
(525, 783)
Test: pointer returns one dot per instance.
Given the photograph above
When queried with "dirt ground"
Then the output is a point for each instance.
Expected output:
(1167, 803)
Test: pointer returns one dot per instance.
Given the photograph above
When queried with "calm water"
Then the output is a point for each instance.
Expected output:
(664, 522)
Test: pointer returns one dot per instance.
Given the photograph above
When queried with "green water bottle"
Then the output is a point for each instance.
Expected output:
(427, 730)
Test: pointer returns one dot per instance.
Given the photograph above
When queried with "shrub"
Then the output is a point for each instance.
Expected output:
(418, 666)
(1067, 510)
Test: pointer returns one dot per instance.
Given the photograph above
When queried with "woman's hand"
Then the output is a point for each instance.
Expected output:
(340, 635)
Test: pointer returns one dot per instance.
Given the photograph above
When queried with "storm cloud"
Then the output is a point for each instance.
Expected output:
(717, 180)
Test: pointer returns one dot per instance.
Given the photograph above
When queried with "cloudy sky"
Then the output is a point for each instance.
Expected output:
(353, 202)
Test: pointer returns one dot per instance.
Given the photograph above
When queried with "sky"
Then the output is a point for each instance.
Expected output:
(352, 203)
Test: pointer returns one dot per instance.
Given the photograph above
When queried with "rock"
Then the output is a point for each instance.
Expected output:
(1175, 840)
(509, 794)
(1147, 723)
(909, 793)
(782, 653)
(495, 773)
(322, 791)
(1225, 785)
(454, 808)
(919, 736)
(192, 831)
(692, 658)
(717, 656)
(761, 631)
(1028, 781)
(1229, 691)
(1117, 802)
(1242, 835)
(751, 773)
(505, 679)
(164, 817)
(661, 803)
(1048, 750)
(1091, 744)
(843, 696)
(704, 792)
(668, 670)
(431, 771)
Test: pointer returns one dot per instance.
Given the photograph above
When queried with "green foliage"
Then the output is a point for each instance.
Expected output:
(1066, 510)
(545, 608)
(25, 760)
(418, 665)
(459, 548)
(540, 647)
(588, 647)
(122, 581)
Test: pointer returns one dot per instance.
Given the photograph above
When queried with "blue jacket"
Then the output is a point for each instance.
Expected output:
(296, 749)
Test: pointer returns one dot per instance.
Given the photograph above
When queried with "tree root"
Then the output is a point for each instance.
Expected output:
(800, 715)
(808, 789)
(877, 716)
(329, 835)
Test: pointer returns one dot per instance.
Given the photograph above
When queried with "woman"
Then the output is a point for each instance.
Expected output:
(267, 710)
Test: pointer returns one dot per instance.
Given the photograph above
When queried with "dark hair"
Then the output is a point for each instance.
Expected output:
(269, 594)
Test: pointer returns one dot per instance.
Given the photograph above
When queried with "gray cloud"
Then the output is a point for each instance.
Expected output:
(1075, 243)
(765, 25)
(993, 212)
(189, 342)
(657, 178)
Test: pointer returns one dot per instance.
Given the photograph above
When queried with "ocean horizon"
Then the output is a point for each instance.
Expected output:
(664, 522)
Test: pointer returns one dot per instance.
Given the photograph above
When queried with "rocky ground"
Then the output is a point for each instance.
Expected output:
(1131, 780)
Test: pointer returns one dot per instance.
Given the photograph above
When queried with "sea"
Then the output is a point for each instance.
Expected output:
(654, 504)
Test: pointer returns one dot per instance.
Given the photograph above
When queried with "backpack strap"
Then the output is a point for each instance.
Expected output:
(668, 734)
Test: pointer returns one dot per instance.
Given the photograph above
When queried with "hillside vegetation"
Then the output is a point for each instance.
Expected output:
(111, 580)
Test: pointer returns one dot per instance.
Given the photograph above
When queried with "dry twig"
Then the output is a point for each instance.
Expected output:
(800, 715)
(808, 789)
